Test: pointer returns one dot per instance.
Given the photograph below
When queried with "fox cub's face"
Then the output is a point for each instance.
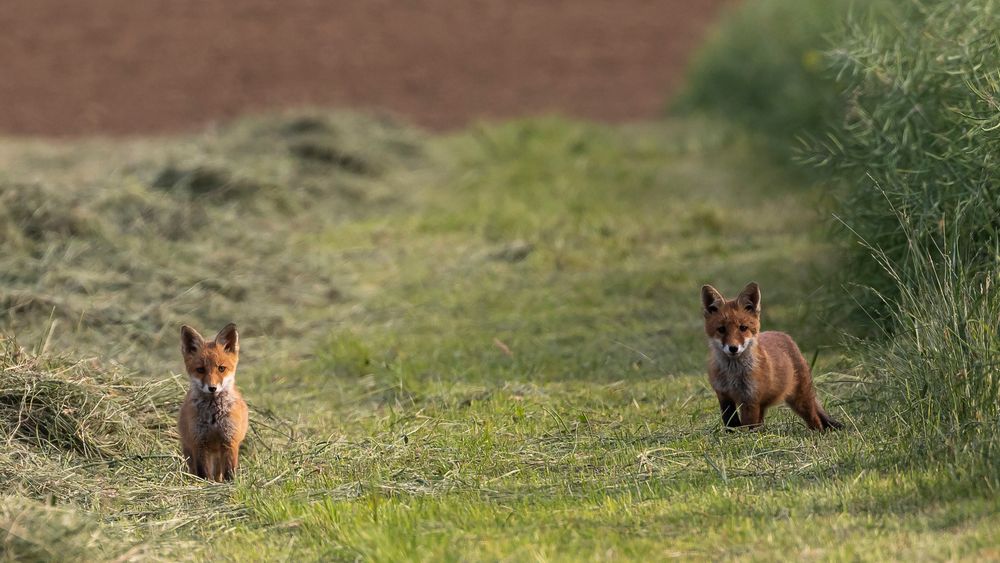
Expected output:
(211, 365)
(733, 325)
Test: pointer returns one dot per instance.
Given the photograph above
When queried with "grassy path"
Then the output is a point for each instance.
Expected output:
(485, 346)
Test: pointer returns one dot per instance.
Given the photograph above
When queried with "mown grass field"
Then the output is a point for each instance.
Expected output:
(479, 346)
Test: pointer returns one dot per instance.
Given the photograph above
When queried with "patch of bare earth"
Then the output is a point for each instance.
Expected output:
(122, 67)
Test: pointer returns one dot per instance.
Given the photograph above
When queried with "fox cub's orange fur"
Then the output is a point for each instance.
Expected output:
(213, 419)
(752, 370)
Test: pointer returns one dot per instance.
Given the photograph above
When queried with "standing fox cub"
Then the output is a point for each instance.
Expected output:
(752, 370)
(213, 419)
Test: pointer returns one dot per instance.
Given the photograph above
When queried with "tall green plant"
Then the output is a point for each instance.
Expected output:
(940, 370)
(919, 138)
(917, 147)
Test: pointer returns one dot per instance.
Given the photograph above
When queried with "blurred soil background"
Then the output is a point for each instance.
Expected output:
(123, 67)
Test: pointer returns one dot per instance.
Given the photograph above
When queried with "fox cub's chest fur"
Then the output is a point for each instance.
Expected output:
(732, 375)
(213, 420)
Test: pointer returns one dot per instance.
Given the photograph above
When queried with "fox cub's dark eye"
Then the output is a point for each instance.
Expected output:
(743, 328)
(199, 370)
(722, 330)
(222, 369)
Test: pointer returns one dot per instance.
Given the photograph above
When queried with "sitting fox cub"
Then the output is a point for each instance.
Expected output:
(213, 418)
(752, 370)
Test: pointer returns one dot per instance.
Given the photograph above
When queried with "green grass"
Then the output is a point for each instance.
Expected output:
(478, 346)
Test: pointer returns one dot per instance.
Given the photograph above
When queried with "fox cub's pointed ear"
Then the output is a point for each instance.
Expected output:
(229, 339)
(749, 299)
(191, 341)
(711, 299)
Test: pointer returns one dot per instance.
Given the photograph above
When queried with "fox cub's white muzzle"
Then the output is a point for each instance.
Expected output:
(199, 385)
(734, 350)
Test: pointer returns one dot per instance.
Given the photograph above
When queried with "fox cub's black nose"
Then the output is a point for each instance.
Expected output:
(733, 349)
(212, 388)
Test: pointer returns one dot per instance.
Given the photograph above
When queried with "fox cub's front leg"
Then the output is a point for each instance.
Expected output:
(191, 458)
(230, 463)
(751, 415)
(730, 416)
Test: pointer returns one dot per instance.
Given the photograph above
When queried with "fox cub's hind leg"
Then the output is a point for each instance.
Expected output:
(806, 408)
(814, 415)
(828, 423)
(804, 402)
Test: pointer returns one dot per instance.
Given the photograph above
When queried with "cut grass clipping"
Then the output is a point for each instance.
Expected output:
(60, 419)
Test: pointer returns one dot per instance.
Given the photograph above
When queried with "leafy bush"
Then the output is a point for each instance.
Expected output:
(917, 141)
(763, 67)
(917, 145)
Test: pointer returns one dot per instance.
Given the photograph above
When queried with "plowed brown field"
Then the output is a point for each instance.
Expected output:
(124, 66)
